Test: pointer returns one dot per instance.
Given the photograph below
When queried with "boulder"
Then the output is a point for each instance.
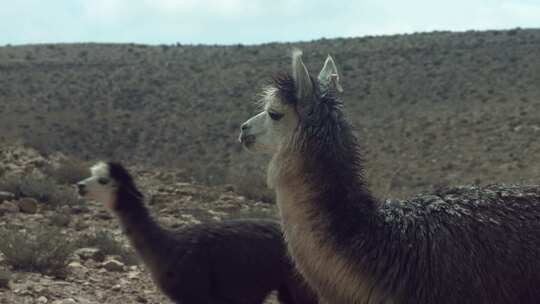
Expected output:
(28, 205)
(90, 254)
(113, 265)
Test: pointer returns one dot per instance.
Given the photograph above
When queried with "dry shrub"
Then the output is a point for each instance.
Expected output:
(59, 220)
(68, 172)
(104, 241)
(65, 196)
(29, 186)
(5, 277)
(42, 189)
(45, 251)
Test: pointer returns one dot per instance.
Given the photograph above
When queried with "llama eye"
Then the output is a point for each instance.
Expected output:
(103, 181)
(275, 116)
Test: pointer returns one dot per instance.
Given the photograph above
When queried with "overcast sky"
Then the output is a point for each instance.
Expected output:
(249, 21)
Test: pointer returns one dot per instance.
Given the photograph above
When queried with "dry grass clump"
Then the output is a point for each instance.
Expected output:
(44, 190)
(28, 186)
(104, 241)
(5, 277)
(68, 171)
(45, 251)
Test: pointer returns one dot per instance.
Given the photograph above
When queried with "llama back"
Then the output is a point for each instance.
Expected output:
(246, 257)
(475, 243)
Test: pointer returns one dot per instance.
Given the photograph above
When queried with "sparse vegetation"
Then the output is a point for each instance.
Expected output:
(59, 219)
(64, 196)
(67, 172)
(43, 189)
(29, 186)
(108, 245)
(45, 251)
(5, 277)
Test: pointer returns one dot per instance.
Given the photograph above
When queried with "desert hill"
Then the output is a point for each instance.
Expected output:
(432, 109)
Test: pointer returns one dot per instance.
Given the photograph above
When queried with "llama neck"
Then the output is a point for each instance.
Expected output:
(144, 234)
(325, 208)
(326, 165)
(324, 187)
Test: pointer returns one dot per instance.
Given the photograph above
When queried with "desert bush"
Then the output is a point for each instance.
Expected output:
(42, 189)
(59, 219)
(38, 142)
(64, 196)
(5, 277)
(104, 241)
(68, 172)
(28, 186)
(45, 251)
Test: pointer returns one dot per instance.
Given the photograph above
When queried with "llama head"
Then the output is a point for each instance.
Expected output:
(108, 183)
(293, 102)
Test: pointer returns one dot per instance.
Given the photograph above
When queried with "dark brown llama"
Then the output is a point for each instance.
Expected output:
(462, 245)
(233, 262)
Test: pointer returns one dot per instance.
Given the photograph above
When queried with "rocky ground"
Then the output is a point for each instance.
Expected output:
(93, 277)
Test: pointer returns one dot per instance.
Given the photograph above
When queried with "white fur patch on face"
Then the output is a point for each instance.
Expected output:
(264, 133)
(100, 187)
(100, 169)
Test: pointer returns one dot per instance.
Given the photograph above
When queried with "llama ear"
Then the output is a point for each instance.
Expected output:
(304, 86)
(329, 76)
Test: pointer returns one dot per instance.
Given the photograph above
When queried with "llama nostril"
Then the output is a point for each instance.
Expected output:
(244, 127)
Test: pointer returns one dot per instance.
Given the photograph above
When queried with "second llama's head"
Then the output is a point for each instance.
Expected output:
(294, 103)
(109, 184)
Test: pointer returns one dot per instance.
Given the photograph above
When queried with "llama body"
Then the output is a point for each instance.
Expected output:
(239, 261)
(461, 245)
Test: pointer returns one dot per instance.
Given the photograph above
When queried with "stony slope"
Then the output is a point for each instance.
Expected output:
(91, 279)
(434, 108)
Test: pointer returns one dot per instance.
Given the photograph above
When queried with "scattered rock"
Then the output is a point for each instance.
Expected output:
(104, 215)
(229, 188)
(113, 265)
(80, 225)
(116, 287)
(134, 274)
(227, 198)
(79, 209)
(77, 269)
(42, 300)
(28, 205)
(6, 196)
(65, 301)
(90, 253)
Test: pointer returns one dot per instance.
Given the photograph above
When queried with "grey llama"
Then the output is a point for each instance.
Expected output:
(233, 262)
(461, 245)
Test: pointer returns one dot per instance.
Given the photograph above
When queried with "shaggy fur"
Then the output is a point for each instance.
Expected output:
(236, 262)
(461, 245)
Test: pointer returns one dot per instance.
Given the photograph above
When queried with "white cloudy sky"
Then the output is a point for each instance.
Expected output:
(249, 21)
